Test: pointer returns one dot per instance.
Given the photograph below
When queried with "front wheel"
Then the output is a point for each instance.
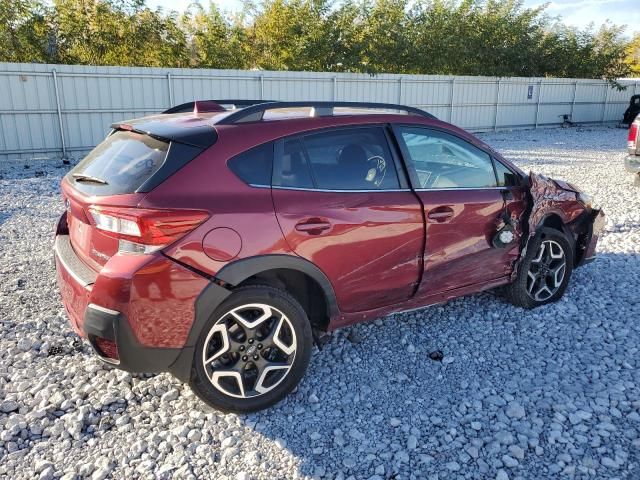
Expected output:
(545, 271)
(253, 350)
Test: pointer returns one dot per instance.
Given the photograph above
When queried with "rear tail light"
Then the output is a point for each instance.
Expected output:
(632, 139)
(143, 230)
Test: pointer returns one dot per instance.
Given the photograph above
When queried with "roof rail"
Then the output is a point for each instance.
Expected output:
(189, 106)
(255, 112)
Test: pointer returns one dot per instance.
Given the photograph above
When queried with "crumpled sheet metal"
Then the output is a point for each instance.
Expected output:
(545, 195)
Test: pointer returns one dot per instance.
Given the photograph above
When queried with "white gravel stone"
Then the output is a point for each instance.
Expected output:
(171, 395)
(515, 410)
(502, 475)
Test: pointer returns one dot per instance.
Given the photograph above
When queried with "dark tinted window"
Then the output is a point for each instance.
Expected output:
(124, 160)
(351, 159)
(292, 166)
(506, 178)
(254, 166)
(440, 160)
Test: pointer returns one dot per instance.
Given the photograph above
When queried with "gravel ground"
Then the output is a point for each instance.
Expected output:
(549, 393)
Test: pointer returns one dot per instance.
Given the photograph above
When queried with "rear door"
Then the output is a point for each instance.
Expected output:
(342, 205)
(463, 204)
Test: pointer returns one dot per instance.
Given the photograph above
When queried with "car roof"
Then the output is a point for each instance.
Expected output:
(280, 119)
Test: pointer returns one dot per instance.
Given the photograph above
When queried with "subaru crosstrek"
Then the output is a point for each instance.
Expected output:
(219, 244)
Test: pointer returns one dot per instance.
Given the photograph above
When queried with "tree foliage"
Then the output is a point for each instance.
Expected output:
(461, 37)
(633, 55)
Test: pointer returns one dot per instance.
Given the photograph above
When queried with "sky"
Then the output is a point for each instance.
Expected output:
(573, 12)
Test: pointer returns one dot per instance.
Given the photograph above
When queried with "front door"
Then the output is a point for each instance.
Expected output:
(341, 205)
(463, 202)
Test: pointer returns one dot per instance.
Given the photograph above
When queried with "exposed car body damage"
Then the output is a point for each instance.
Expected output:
(551, 198)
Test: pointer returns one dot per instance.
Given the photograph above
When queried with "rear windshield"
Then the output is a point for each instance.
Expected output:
(120, 164)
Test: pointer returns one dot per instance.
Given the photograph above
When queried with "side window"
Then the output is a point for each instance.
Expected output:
(291, 167)
(506, 178)
(254, 166)
(340, 159)
(440, 160)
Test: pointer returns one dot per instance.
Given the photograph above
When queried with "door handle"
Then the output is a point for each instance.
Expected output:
(314, 226)
(440, 214)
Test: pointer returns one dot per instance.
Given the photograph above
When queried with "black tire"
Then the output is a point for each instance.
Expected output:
(517, 292)
(302, 338)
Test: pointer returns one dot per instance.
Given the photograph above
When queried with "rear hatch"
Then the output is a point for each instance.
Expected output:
(110, 175)
(102, 192)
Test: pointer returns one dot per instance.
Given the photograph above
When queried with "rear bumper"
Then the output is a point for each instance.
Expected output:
(632, 163)
(103, 323)
(140, 315)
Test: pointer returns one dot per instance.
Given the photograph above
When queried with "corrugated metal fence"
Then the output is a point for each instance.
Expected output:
(64, 110)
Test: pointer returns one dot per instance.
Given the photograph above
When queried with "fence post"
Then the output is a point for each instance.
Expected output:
(261, 87)
(495, 115)
(538, 102)
(400, 91)
(453, 87)
(573, 100)
(604, 105)
(55, 88)
(170, 89)
(335, 88)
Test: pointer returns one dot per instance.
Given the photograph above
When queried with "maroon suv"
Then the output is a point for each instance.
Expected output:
(218, 244)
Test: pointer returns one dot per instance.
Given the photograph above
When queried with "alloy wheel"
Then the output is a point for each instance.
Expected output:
(546, 271)
(249, 350)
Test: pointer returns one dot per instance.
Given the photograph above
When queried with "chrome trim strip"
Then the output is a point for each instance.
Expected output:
(457, 189)
(340, 191)
(380, 191)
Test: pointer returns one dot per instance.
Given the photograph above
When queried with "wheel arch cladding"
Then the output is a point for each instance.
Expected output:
(300, 277)
(233, 275)
(555, 221)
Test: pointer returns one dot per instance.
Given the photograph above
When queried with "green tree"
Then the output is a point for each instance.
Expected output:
(117, 32)
(289, 35)
(633, 55)
(455, 37)
(214, 40)
(25, 35)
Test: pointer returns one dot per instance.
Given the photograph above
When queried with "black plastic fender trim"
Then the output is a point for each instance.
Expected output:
(133, 356)
(233, 274)
(208, 300)
(238, 271)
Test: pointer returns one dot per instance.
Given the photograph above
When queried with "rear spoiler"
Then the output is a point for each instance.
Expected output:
(188, 130)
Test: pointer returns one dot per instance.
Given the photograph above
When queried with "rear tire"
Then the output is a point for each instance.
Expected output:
(544, 273)
(253, 350)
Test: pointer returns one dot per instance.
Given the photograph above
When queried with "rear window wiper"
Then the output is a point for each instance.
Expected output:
(82, 177)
